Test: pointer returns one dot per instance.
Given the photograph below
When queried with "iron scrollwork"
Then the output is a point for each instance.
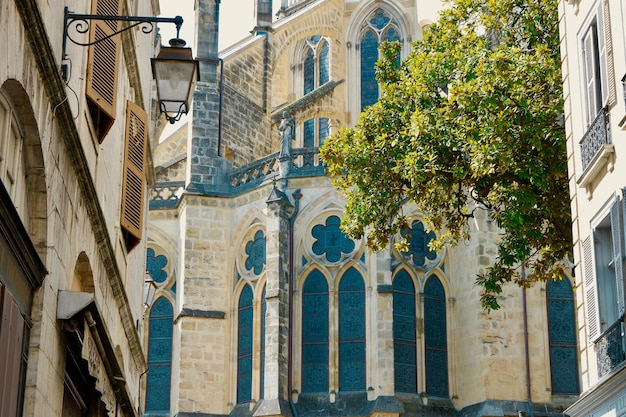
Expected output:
(80, 23)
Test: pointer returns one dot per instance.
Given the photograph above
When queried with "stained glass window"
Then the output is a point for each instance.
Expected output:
(309, 71)
(404, 336)
(562, 335)
(244, 346)
(315, 67)
(315, 132)
(255, 249)
(159, 356)
(155, 265)
(380, 27)
(436, 339)
(263, 312)
(351, 331)
(418, 243)
(330, 240)
(315, 333)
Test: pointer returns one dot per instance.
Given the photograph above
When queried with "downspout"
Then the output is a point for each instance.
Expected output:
(526, 348)
(219, 120)
(297, 195)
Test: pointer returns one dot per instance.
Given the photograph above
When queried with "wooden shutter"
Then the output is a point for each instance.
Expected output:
(11, 335)
(133, 180)
(591, 87)
(591, 297)
(618, 250)
(605, 52)
(104, 58)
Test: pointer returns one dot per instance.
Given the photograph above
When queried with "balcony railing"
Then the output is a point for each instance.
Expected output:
(598, 134)
(304, 162)
(611, 349)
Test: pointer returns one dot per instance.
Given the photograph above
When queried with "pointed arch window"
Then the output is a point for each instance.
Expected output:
(159, 356)
(351, 331)
(315, 132)
(435, 337)
(316, 63)
(404, 333)
(263, 312)
(315, 333)
(562, 336)
(379, 27)
(244, 345)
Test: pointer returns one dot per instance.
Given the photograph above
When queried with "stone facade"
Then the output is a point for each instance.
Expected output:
(71, 283)
(593, 38)
(240, 250)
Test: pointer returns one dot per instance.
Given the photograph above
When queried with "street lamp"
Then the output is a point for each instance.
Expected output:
(149, 289)
(176, 73)
(174, 69)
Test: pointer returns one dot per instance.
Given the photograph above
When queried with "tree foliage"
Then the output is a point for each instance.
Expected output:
(470, 120)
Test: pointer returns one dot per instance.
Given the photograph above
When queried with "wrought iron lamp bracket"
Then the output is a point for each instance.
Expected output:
(80, 24)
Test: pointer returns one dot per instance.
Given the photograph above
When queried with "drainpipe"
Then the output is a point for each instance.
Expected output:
(527, 358)
(297, 195)
(219, 120)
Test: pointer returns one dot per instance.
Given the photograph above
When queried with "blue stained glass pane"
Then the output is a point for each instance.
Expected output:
(263, 313)
(437, 372)
(244, 379)
(323, 58)
(562, 337)
(323, 130)
(405, 378)
(435, 338)
(369, 56)
(315, 333)
(161, 308)
(418, 243)
(315, 377)
(161, 328)
(404, 333)
(309, 133)
(564, 372)
(309, 71)
(330, 240)
(159, 356)
(255, 249)
(351, 331)
(244, 346)
(351, 281)
(158, 394)
(391, 35)
(380, 20)
(352, 375)
(155, 265)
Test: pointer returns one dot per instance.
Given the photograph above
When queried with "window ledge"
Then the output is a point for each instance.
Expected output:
(602, 159)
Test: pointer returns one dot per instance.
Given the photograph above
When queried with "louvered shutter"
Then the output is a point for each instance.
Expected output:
(616, 237)
(104, 57)
(11, 335)
(591, 85)
(133, 182)
(589, 277)
(605, 51)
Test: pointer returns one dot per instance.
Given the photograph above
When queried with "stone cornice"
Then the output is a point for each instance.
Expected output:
(55, 90)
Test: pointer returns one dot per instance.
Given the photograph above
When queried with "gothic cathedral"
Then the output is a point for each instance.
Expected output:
(264, 307)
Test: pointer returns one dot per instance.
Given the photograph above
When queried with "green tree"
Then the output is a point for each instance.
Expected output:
(470, 120)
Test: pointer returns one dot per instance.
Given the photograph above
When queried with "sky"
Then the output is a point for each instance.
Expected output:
(236, 20)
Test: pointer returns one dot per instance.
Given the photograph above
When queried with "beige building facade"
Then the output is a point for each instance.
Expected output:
(72, 267)
(263, 307)
(593, 50)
